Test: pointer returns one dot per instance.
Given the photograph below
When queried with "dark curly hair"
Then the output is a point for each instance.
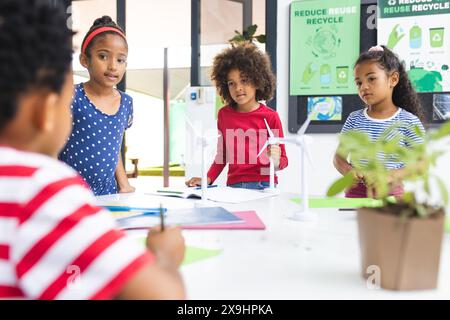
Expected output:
(35, 51)
(104, 21)
(251, 62)
(404, 95)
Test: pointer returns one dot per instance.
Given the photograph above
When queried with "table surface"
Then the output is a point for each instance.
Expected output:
(289, 260)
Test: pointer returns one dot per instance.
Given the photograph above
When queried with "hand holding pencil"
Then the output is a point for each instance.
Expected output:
(167, 244)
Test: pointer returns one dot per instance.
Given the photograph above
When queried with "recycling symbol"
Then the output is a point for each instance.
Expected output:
(392, 2)
(436, 37)
(342, 75)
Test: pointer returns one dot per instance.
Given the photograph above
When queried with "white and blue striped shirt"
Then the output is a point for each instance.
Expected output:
(361, 121)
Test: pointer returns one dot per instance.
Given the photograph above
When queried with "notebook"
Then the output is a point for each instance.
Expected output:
(185, 193)
(181, 217)
(218, 194)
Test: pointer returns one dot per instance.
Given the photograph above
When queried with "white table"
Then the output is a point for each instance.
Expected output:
(288, 260)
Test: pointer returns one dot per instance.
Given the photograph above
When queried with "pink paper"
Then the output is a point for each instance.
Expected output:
(251, 222)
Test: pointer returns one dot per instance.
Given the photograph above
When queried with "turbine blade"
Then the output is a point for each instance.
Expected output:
(268, 129)
(263, 148)
(305, 125)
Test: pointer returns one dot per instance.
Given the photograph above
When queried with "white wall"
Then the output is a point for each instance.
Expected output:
(323, 173)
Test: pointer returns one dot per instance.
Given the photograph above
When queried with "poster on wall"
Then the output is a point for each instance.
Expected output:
(325, 108)
(419, 32)
(324, 45)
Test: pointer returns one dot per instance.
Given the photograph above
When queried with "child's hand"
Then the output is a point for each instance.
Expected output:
(196, 181)
(127, 189)
(274, 152)
(168, 246)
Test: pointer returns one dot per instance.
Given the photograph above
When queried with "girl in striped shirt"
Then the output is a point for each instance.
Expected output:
(384, 87)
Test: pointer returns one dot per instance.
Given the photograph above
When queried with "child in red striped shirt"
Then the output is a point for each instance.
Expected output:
(55, 243)
(243, 77)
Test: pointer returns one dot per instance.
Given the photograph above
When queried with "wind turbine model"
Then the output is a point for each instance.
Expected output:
(272, 140)
(205, 142)
(302, 141)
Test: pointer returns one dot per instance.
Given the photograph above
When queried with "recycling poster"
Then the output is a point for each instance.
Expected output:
(419, 32)
(324, 45)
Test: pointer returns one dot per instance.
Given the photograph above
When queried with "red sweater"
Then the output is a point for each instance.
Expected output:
(242, 136)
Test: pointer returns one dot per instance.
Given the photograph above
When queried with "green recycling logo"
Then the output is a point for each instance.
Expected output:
(324, 42)
(392, 2)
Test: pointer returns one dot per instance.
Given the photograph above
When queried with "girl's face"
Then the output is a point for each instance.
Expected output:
(108, 60)
(241, 89)
(374, 84)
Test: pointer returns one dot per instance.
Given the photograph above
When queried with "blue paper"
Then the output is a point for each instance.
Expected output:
(191, 216)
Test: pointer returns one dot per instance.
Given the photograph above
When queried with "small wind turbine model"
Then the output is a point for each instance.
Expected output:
(302, 141)
(205, 142)
(272, 140)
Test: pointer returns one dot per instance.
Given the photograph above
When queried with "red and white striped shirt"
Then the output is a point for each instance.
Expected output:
(55, 243)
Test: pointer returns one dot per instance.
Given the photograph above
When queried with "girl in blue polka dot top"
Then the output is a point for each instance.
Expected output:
(101, 113)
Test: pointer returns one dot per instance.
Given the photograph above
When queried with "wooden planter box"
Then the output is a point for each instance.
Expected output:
(407, 251)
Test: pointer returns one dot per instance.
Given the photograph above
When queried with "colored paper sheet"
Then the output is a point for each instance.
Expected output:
(342, 203)
(193, 254)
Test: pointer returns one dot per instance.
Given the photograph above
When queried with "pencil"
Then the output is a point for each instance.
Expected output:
(161, 213)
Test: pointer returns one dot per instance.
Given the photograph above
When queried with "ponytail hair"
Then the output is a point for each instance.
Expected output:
(403, 95)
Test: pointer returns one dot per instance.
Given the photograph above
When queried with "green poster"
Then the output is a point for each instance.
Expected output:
(418, 31)
(324, 41)
(409, 8)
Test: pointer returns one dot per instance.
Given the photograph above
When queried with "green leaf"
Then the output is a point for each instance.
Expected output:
(418, 131)
(408, 197)
(236, 39)
(421, 210)
(251, 30)
(261, 38)
(443, 189)
(339, 185)
(426, 184)
(443, 131)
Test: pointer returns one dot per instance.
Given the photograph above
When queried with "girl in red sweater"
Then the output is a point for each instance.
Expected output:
(243, 77)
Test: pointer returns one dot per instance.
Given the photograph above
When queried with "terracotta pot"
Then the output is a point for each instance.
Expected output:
(405, 251)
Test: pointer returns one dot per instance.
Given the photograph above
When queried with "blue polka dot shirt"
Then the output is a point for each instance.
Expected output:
(93, 148)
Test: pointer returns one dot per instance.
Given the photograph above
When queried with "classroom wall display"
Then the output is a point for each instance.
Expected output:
(324, 38)
(325, 108)
(419, 32)
(435, 105)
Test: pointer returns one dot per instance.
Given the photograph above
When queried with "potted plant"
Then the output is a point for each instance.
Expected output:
(247, 36)
(403, 237)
